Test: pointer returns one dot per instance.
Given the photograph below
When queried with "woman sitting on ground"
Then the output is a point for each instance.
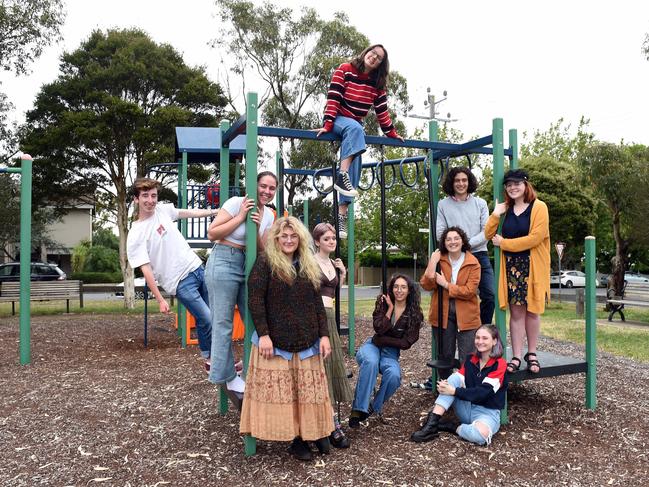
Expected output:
(477, 392)
(397, 319)
(287, 396)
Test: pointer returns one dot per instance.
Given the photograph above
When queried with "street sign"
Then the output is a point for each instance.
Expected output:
(560, 246)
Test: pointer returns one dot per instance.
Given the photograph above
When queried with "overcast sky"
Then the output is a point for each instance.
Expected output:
(529, 62)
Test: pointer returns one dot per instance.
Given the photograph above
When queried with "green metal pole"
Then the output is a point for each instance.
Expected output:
(513, 145)
(224, 166)
(237, 177)
(224, 194)
(250, 444)
(591, 324)
(305, 211)
(433, 174)
(182, 195)
(498, 172)
(25, 258)
(351, 277)
(279, 194)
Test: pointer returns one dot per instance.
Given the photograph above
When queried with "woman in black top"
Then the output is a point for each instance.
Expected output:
(397, 319)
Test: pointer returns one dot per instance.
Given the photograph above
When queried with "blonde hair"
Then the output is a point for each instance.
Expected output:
(282, 267)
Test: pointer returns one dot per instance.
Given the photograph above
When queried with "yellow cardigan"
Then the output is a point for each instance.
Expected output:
(537, 242)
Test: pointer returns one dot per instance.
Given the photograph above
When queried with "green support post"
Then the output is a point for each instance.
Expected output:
(290, 210)
(433, 174)
(250, 444)
(224, 194)
(591, 324)
(224, 166)
(182, 195)
(25, 257)
(513, 145)
(499, 170)
(279, 194)
(351, 277)
(305, 212)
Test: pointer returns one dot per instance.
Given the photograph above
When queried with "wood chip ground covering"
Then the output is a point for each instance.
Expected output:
(95, 407)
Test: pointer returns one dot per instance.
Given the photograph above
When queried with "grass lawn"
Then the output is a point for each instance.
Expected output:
(559, 322)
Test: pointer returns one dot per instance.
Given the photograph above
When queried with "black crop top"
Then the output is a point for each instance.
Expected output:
(328, 286)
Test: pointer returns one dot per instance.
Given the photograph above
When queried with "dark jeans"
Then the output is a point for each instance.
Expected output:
(486, 288)
(452, 337)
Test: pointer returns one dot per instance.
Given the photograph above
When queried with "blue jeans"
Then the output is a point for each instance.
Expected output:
(372, 361)
(352, 144)
(486, 288)
(469, 413)
(192, 293)
(225, 274)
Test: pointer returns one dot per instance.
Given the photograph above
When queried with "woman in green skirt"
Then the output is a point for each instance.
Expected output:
(333, 275)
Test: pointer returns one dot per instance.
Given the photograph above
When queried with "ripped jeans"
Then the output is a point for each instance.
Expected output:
(469, 413)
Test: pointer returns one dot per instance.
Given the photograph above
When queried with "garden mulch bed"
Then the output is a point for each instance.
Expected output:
(95, 407)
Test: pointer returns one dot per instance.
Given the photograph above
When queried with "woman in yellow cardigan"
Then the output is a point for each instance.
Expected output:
(524, 281)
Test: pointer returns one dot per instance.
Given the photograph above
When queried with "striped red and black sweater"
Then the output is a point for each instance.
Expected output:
(352, 94)
(486, 387)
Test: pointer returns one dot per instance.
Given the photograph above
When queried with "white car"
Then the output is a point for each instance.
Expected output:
(139, 282)
(568, 279)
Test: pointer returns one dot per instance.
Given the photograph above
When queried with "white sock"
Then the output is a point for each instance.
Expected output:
(237, 385)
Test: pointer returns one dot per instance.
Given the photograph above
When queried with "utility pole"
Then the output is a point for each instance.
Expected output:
(431, 103)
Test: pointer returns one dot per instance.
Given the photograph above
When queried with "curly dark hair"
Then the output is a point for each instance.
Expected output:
(379, 75)
(413, 298)
(450, 178)
(465, 240)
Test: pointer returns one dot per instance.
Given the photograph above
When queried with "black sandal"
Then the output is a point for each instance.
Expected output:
(532, 362)
(512, 366)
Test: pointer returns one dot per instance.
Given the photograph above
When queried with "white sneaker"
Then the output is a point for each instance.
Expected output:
(236, 385)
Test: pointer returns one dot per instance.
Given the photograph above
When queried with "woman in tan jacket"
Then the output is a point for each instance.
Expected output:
(524, 281)
(458, 282)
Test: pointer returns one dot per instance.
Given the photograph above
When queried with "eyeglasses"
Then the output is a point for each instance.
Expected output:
(376, 55)
(289, 237)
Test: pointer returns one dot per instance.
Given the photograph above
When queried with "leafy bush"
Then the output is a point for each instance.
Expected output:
(372, 258)
(101, 259)
(98, 277)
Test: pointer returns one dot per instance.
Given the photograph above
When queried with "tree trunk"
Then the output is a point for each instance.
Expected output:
(621, 251)
(122, 228)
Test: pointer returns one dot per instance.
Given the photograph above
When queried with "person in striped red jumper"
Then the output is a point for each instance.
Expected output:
(356, 86)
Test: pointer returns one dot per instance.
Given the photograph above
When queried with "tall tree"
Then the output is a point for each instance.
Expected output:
(26, 28)
(111, 112)
(294, 57)
(620, 175)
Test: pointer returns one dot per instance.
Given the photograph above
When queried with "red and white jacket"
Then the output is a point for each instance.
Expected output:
(352, 94)
(486, 387)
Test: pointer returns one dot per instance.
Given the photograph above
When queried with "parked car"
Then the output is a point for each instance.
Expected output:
(139, 282)
(568, 279)
(635, 277)
(39, 272)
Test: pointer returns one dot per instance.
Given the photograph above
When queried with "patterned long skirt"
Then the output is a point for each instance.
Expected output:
(518, 273)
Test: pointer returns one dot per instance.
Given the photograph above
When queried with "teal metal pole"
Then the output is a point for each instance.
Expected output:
(591, 324)
(279, 194)
(224, 194)
(224, 167)
(250, 444)
(351, 277)
(433, 174)
(182, 195)
(498, 172)
(513, 145)
(237, 177)
(306, 213)
(25, 258)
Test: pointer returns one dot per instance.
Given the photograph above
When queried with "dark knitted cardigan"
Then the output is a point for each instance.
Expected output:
(291, 314)
(403, 334)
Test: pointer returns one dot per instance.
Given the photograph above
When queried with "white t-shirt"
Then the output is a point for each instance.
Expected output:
(238, 235)
(455, 267)
(157, 241)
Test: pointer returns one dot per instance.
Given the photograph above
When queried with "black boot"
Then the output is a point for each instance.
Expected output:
(429, 430)
(300, 449)
(323, 445)
(338, 439)
(448, 426)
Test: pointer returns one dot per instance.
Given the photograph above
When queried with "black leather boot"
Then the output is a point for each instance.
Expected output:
(429, 430)
(448, 426)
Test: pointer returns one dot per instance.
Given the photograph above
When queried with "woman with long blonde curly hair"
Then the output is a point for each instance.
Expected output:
(287, 396)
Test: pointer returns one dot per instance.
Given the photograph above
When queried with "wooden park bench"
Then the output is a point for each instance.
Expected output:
(43, 291)
(633, 294)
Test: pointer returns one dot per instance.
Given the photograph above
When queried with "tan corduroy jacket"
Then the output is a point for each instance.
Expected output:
(467, 309)
(538, 243)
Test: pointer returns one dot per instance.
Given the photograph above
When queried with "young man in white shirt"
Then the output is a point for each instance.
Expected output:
(157, 247)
